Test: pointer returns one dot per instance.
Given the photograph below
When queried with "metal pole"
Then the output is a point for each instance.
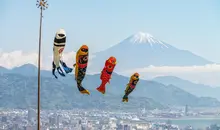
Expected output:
(42, 4)
(39, 61)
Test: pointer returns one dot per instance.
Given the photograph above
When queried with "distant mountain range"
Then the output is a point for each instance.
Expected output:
(141, 50)
(18, 89)
(196, 89)
(21, 92)
(19, 85)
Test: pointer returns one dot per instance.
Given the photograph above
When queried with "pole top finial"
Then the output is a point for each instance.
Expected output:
(42, 4)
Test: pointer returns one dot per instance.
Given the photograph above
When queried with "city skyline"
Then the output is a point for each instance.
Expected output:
(93, 119)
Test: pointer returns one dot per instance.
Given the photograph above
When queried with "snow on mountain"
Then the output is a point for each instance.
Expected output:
(145, 38)
(142, 49)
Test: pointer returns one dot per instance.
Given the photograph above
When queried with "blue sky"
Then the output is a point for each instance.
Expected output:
(188, 24)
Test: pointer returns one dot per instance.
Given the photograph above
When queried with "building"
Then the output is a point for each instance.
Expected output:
(127, 127)
(4, 119)
(120, 127)
(186, 110)
(31, 114)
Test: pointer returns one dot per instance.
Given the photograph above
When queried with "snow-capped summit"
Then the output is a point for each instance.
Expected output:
(143, 49)
(145, 38)
(142, 37)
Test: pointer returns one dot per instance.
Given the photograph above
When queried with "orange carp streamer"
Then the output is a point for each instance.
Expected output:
(107, 73)
(82, 57)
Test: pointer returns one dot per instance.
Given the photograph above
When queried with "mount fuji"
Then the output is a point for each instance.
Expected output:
(142, 49)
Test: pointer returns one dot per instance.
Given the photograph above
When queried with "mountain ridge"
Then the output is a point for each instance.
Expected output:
(56, 94)
(149, 51)
(158, 92)
(194, 88)
(155, 52)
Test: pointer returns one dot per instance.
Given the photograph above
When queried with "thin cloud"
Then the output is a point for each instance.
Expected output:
(18, 58)
(207, 74)
(178, 69)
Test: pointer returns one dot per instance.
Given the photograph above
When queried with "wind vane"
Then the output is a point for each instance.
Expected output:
(42, 4)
